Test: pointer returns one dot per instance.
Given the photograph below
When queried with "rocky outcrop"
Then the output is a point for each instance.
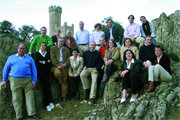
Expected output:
(167, 30)
(157, 104)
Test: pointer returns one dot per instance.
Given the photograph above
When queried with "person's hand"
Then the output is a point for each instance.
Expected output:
(71, 76)
(110, 61)
(41, 62)
(123, 73)
(29, 54)
(146, 65)
(112, 80)
(62, 66)
(133, 39)
(95, 71)
(33, 85)
(49, 61)
(85, 68)
(106, 62)
(3, 84)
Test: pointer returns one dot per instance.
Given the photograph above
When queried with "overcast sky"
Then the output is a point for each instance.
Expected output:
(35, 12)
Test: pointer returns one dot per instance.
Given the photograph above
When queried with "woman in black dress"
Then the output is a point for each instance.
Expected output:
(42, 60)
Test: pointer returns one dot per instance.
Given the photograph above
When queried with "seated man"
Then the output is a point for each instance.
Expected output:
(133, 31)
(92, 65)
(146, 53)
(102, 49)
(161, 71)
(59, 57)
(147, 29)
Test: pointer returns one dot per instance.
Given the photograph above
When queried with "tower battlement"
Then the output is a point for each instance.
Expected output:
(55, 8)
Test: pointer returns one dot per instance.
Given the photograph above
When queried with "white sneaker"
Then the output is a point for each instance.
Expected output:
(123, 100)
(133, 99)
(48, 108)
(84, 101)
(51, 105)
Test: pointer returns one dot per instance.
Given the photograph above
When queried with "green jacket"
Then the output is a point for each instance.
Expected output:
(55, 55)
(37, 41)
(115, 56)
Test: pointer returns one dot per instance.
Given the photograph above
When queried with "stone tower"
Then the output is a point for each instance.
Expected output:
(54, 18)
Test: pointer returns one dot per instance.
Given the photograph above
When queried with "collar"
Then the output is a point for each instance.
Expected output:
(111, 28)
(20, 56)
(132, 60)
(42, 53)
(147, 44)
(112, 48)
(131, 23)
(92, 51)
(159, 57)
(61, 48)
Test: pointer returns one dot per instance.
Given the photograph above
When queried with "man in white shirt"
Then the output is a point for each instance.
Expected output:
(96, 35)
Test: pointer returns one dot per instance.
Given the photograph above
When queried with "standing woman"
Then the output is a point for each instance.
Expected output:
(128, 45)
(42, 60)
(75, 68)
(131, 76)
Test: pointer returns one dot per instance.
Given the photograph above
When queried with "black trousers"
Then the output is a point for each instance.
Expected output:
(110, 69)
(132, 80)
(45, 81)
(73, 86)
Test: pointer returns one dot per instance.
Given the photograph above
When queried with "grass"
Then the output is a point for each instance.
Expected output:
(73, 110)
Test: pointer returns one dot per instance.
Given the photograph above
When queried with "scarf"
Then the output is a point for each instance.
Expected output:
(146, 28)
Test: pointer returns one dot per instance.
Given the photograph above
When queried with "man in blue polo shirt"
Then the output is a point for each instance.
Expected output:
(23, 76)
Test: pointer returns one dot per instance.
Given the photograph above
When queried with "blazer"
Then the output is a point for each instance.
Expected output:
(136, 66)
(73, 42)
(42, 67)
(115, 56)
(165, 62)
(116, 33)
(55, 39)
(55, 55)
(75, 67)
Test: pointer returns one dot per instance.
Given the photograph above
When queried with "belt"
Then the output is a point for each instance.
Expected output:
(83, 44)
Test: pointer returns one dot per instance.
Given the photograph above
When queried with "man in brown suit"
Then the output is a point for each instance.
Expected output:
(59, 55)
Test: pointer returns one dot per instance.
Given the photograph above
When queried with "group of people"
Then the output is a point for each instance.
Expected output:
(89, 59)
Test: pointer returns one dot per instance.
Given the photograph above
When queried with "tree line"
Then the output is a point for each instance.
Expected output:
(25, 32)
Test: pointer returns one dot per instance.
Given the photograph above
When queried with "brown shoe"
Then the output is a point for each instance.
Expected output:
(105, 78)
(151, 87)
(64, 99)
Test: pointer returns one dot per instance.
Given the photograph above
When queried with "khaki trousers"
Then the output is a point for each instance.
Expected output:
(158, 73)
(17, 86)
(82, 49)
(61, 76)
(140, 41)
(89, 83)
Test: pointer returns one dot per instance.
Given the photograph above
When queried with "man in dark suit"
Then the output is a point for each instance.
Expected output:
(56, 37)
(114, 32)
(160, 72)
